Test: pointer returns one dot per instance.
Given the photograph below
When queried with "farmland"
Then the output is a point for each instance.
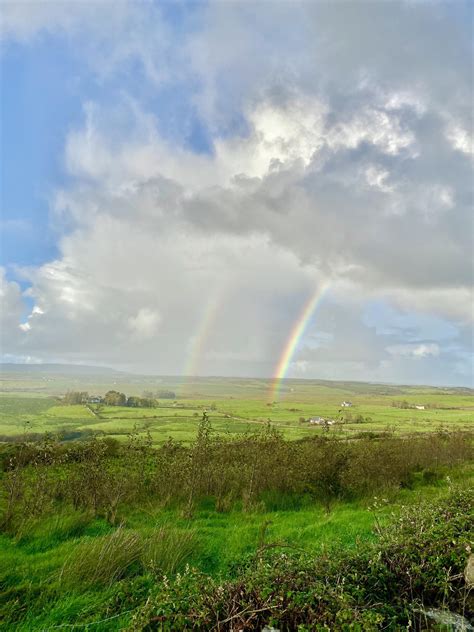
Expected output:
(212, 508)
(235, 406)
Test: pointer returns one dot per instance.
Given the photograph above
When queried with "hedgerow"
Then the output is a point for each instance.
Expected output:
(99, 477)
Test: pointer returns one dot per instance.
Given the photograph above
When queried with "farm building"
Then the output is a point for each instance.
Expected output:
(419, 407)
(346, 404)
(320, 421)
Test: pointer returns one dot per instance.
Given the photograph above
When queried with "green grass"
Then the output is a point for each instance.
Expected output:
(73, 568)
(238, 406)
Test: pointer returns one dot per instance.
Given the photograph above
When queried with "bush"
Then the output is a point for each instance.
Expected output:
(103, 476)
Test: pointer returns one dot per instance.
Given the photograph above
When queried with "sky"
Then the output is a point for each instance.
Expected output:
(239, 188)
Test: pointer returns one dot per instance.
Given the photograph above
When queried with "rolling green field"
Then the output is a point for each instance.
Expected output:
(30, 403)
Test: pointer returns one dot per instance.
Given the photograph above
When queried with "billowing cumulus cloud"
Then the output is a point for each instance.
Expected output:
(336, 148)
(12, 308)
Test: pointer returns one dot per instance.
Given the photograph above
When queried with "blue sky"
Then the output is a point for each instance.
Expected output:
(36, 113)
(160, 157)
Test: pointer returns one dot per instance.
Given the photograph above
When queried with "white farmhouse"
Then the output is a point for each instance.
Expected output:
(321, 421)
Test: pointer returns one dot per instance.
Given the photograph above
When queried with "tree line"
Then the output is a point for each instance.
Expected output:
(117, 398)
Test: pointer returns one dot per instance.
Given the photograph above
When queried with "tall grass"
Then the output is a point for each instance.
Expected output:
(167, 550)
(103, 560)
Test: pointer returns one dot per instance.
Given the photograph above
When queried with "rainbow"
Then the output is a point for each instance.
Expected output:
(297, 331)
(198, 342)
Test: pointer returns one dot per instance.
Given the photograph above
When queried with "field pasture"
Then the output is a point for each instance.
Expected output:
(32, 403)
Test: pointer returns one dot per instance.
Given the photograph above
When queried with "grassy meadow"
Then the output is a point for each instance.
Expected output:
(31, 404)
(166, 518)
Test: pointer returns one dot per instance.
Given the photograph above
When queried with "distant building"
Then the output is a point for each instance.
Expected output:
(346, 404)
(419, 407)
(94, 400)
(321, 421)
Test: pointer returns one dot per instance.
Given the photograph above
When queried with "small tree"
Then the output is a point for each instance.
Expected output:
(133, 402)
(166, 395)
(76, 397)
(114, 398)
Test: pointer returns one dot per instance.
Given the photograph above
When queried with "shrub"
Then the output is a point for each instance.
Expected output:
(103, 476)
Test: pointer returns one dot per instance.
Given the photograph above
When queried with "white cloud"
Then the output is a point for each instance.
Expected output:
(20, 359)
(422, 350)
(460, 138)
(145, 324)
(11, 309)
(24, 20)
(377, 177)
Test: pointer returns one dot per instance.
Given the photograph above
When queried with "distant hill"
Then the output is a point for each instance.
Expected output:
(64, 369)
(208, 385)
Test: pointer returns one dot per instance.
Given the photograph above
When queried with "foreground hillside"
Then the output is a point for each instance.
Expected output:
(413, 576)
(235, 533)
